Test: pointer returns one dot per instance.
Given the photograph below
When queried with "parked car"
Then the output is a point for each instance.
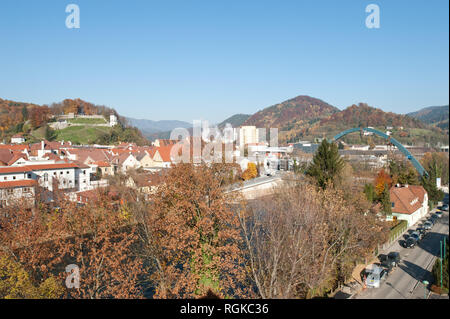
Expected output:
(415, 235)
(428, 225)
(390, 260)
(420, 231)
(375, 274)
(409, 243)
(439, 214)
(445, 207)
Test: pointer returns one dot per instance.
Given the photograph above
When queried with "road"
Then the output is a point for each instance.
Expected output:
(255, 182)
(405, 282)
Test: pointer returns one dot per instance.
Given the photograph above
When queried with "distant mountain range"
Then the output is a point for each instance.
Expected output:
(149, 127)
(306, 118)
(300, 118)
(433, 115)
(235, 120)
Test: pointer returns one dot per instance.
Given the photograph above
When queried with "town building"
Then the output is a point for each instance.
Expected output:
(17, 139)
(409, 202)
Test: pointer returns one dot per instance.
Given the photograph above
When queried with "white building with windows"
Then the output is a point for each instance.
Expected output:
(20, 181)
(409, 202)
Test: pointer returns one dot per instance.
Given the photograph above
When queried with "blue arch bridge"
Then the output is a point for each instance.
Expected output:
(391, 140)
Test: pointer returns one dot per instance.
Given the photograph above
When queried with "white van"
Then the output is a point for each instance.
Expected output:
(375, 274)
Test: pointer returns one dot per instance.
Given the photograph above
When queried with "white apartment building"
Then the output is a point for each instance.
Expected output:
(248, 135)
(65, 176)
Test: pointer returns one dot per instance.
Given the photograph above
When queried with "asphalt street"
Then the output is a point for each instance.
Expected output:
(405, 282)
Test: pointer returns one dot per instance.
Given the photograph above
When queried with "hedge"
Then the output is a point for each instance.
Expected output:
(397, 230)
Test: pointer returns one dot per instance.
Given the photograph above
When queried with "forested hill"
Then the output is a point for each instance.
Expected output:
(433, 115)
(297, 111)
(31, 120)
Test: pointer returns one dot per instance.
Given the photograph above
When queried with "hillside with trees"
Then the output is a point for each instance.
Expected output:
(431, 114)
(308, 118)
(404, 128)
(31, 121)
(235, 120)
(300, 111)
(434, 115)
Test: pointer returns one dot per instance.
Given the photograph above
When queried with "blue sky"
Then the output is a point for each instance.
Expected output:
(211, 59)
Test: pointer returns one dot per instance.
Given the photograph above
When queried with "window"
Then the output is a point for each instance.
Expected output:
(61, 172)
(10, 191)
(54, 173)
(14, 177)
(84, 172)
(29, 175)
(5, 178)
(392, 204)
(26, 190)
(67, 172)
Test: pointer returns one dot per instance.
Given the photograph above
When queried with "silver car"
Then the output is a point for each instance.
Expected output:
(427, 225)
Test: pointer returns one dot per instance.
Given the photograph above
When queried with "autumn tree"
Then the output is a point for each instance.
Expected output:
(16, 283)
(95, 237)
(39, 116)
(327, 164)
(302, 240)
(381, 181)
(101, 242)
(190, 235)
(250, 172)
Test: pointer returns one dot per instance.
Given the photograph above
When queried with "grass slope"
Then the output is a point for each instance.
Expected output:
(81, 134)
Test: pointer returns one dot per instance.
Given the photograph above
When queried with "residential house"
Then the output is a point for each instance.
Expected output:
(17, 139)
(162, 158)
(145, 158)
(126, 161)
(17, 191)
(409, 202)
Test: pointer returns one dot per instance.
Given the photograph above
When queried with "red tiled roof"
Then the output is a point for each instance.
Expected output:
(5, 156)
(21, 183)
(36, 167)
(51, 166)
(419, 191)
(102, 164)
(16, 157)
(405, 199)
(14, 169)
(164, 152)
(14, 147)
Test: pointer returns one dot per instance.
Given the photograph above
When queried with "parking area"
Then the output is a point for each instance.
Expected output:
(406, 280)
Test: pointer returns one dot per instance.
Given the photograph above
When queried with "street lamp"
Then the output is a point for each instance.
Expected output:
(425, 288)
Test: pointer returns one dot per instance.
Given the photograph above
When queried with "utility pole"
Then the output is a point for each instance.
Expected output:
(441, 263)
(444, 248)
(425, 284)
